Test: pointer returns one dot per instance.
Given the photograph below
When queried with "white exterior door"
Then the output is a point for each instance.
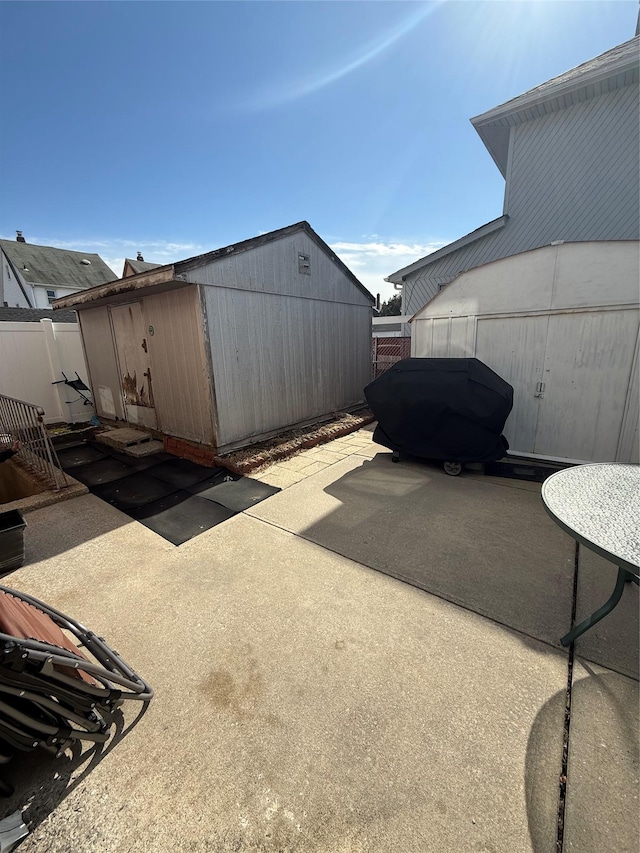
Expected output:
(587, 371)
(514, 347)
(134, 364)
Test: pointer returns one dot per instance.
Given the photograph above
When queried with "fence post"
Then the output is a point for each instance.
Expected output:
(46, 324)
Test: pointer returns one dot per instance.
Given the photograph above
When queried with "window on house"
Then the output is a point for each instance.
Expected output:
(51, 295)
(304, 264)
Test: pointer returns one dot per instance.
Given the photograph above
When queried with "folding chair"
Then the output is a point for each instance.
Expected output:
(59, 682)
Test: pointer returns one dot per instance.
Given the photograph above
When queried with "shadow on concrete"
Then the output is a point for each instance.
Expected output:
(490, 549)
(600, 811)
(41, 781)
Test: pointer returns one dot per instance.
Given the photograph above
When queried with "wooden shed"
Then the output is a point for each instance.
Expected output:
(232, 346)
(561, 324)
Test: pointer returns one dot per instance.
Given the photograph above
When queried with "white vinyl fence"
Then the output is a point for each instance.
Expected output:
(35, 355)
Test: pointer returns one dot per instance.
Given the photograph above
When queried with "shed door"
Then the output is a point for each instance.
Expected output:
(134, 364)
(514, 347)
(587, 370)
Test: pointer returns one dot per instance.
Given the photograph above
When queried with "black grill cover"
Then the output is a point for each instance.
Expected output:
(453, 409)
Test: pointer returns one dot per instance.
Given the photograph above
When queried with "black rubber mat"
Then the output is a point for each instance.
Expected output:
(236, 495)
(102, 471)
(81, 455)
(181, 516)
(175, 498)
(181, 473)
(135, 490)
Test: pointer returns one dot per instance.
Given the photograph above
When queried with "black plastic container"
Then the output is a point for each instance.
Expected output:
(12, 526)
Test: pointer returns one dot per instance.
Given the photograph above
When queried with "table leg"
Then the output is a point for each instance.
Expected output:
(623, 577)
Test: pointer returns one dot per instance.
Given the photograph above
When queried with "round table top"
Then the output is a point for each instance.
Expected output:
(599, 505)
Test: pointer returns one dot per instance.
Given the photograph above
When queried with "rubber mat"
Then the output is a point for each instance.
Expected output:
(181, 473)
(181, 516)
(102, 471)
(135, 490)
(237, 495)
(80, 455)
(175, 498)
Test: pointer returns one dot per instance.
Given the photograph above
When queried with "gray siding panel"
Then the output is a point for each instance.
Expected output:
(278, 360)
(273, 268)
(574, 176)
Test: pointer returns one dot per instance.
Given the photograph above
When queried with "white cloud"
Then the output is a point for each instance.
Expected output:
(373, 260)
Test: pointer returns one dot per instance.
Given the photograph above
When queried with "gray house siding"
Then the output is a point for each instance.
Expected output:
(573, 175)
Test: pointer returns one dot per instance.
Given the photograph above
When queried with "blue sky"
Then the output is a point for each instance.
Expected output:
(178, 127)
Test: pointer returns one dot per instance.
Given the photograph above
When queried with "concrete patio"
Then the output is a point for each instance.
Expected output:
(366, 662)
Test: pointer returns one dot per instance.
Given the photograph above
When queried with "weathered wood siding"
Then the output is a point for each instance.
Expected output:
(285, 347)
(573, 175)
(180, 378)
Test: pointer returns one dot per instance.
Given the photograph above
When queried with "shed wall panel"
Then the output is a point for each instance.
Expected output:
(278, 361)
(181, 382)
(514, 347)
(587, 369)
(273, 268)
(101, 362)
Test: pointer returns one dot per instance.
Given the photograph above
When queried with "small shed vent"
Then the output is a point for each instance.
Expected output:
(304, 264)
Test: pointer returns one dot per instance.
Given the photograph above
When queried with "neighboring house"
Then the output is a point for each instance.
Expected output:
(568, 151)
(139, 265)
(231, 346)
(33, 276)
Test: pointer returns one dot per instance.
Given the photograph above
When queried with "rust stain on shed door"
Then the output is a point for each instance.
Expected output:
(134, 362)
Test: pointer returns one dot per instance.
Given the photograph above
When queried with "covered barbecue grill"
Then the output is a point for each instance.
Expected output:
(449, 409)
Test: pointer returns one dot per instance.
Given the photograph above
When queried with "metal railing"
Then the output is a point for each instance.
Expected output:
(24, 422)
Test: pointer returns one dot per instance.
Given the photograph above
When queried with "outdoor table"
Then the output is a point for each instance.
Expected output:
(599, 506)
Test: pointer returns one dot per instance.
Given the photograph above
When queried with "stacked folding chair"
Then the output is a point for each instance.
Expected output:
(59, 682)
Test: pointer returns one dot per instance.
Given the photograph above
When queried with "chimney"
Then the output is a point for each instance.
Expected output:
(20, 238)
(140, 258)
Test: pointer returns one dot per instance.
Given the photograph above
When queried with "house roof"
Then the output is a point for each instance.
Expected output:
(34, 315)
(141, 266)
(56, 267)
(612, 70)
(488, 228)
(175, 274)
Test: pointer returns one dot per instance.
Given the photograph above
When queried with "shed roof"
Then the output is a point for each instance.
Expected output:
(175, 274)
(34, 315)
(57, 267)
(611, 70)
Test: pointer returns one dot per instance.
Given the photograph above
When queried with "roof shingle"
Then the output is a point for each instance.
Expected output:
(57, 267)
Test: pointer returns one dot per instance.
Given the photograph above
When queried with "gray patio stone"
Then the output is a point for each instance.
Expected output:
(612, 642)
(304, 704)
(487, 547)
(602, 809)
